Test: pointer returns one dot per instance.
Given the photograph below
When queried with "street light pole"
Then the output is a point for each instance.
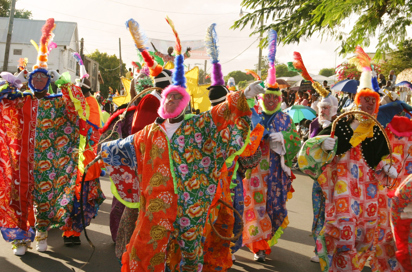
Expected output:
(259, 70)
(8, 41)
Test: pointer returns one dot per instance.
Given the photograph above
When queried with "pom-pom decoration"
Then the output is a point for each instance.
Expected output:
(140, 39)
(250, 72)
(46, 37)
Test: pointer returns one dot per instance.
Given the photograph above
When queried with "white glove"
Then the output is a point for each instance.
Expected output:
(53, 75)
(276, 137)
(328, 144)
(254, 89)
(390, 171)
(23, 76)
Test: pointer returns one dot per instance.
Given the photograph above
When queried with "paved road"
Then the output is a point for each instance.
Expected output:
(291, 254)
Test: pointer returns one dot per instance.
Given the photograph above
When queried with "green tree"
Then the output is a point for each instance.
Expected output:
(327, 72)
(19, 13)
(297, 20)
(283, 71)
(242, 84)
(400, 59)
(109, 69)
(238, 76)
(202, 79)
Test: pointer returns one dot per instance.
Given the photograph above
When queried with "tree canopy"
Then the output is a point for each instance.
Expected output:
(238, 76)
(400, 59)
(297, 20)
(109, 69)
(5, 6)
(327, 72)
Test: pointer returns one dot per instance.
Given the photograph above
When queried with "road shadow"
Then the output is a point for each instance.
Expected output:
(8, 266)
(298, 236)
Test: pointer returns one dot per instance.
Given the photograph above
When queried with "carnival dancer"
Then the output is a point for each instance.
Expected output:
(60, 130)
(402, 222)
(92, 193)
(267, 187)
(327, 108)
(178, 159)
(146, 113)
(17, 128)
(349, 172)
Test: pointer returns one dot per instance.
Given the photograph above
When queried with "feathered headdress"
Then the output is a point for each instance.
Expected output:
(179, 81)
(213, 52)
(298, 66)
(271, 79)
(218, 90)
(140, 41)
(363, 62)
(250, 72)
(46, 37)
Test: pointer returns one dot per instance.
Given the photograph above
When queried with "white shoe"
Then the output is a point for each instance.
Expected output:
(41, 238)
(20, 247)
(233, 258)
(260, 256)
(315, 259)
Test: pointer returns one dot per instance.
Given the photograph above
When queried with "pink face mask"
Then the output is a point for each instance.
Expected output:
(174, 101)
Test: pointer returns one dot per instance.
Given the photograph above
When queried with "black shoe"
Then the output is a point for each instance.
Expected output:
(76, 240)
(68, 241)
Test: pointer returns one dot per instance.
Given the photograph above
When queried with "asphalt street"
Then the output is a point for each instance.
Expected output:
(291, 254)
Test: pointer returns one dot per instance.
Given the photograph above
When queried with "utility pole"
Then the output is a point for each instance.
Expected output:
(204, 76)
(81, 47)
(120, 63)
(8, 41)
(259, 70)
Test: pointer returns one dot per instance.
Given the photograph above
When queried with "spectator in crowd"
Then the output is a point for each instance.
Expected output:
(392, 77)
(382, 79)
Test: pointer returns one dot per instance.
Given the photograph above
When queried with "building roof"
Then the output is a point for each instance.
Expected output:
(25, 30)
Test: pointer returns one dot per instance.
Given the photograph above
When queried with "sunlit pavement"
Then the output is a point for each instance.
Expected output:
(291, 254)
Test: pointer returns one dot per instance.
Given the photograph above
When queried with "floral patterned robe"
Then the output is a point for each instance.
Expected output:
(355, 228)
(267, 188)
(17, 129)
(177, 181)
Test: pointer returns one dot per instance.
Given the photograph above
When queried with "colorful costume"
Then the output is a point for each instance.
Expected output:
(17, 128)
(267, 188)
(178, 176)
(349, 175)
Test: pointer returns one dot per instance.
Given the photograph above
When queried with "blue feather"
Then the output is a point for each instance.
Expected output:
(211, 43)
(273, 37)
(179, 72)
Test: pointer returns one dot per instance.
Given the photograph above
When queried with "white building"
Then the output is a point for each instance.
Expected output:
(66, 37)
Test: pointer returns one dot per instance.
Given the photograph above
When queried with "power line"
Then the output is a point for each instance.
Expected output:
(174, 12)
(240, 52)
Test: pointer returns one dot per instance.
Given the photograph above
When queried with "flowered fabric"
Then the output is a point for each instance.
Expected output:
(257, 224)
(195, 153)
(17, 128)
(403, 227)
(56, 160)
(238, 204)
(318, 204)
(267, 188)
(354, 229)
